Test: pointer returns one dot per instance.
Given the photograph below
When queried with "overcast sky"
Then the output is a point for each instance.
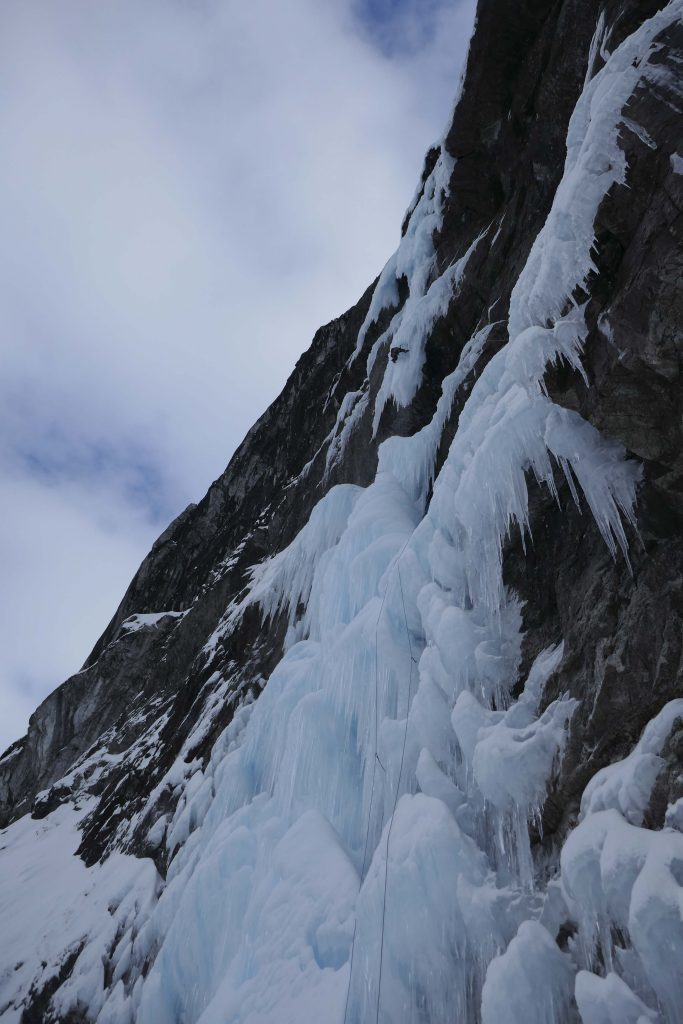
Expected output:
(188, 189)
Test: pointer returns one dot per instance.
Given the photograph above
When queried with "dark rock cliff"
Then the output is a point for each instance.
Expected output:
(150, 693)
(526, 67)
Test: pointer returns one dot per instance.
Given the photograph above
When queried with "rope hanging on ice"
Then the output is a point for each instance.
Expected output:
(397, 567)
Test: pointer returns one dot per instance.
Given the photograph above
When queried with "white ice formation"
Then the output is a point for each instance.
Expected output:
(357, 849)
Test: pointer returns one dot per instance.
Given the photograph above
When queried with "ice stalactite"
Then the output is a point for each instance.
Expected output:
(357, 847)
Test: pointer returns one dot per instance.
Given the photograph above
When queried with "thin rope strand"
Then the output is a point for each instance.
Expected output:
(398, 790)
(376, 760)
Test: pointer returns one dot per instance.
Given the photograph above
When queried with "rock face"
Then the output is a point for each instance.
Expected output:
(567, 277)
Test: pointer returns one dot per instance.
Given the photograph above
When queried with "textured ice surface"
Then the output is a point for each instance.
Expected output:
(414, 258)
(410, 327)
(531, 983)
(425, 925)
(623, 879)
(412, 459)
(357, 847)
(609, 1000)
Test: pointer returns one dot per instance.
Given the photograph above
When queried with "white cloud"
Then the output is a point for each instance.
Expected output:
(188, 189)
(67, 555)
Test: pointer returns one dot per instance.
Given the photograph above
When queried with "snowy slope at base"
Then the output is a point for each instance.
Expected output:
(55, 910)
(357, 848)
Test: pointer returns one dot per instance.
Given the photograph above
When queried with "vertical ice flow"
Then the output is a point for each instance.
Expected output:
(358, 847)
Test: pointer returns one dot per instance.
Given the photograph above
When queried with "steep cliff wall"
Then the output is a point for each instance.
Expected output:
(367, 693)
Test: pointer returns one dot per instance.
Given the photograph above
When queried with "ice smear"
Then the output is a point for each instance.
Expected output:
(288, 576)
(350, 412)
(596, 47)
(560, 259)
(410, 330)
(412, 459)
(414, 257)
(429, 294)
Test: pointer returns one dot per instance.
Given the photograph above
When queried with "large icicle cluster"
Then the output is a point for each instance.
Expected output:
(358, 847)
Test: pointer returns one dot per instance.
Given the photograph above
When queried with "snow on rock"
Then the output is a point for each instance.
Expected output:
(146, 620)
(627, 785)
(55, 912)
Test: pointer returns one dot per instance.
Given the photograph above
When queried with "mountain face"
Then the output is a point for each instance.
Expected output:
(389, 727)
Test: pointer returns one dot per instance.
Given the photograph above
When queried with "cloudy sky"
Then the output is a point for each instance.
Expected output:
(188, 189)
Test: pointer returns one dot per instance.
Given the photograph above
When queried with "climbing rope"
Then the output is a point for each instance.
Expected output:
(376, 761)
(398, 790)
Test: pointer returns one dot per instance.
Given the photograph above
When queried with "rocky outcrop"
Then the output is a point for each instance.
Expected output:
(526, 67)
(185, 651)
(197, 566)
